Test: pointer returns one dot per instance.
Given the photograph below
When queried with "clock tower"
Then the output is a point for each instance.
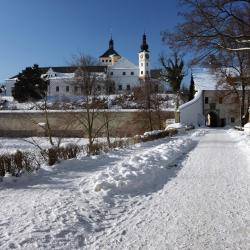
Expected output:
(144, 65)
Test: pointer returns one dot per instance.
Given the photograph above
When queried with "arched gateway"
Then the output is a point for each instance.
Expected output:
(212, 119)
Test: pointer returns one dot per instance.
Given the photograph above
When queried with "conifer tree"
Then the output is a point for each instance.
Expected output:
(191, 88)
(29, 85)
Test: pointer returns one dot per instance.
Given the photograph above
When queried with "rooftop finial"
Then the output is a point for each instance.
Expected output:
(111, 42)
(144, 45)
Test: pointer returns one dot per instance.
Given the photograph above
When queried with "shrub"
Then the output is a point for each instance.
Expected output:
(154, 136)
(17, 163)
(55, 154)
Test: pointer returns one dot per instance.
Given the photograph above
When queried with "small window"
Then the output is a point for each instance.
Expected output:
(57, 88)
(141, 64)
(220, 100)
(146, 72)
(232, 120)
(147, 64)
(111, 73)
(141, 72)
(120, 87)
(109, 60)
(132, 73)
(67, 88)
(128, 87)
(206, 99)
(98, 87)
(76, 89)
(103, 60)
(123, 73)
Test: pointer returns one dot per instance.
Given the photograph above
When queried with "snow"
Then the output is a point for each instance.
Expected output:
(11, 145)
(69, 103)
(204, 79)
(176, 125)
(190, 191)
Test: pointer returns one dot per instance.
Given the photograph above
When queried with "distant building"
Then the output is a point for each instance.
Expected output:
(211, 106)
(124, 74)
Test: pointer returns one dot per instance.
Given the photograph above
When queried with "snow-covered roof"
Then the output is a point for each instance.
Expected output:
(204, 79)
(124, 63)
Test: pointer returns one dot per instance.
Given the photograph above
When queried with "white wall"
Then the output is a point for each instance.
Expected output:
(192, 111)
(9, 84)
(126, 79)
(62, 83)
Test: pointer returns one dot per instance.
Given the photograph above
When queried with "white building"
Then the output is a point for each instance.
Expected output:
(212, 106)
(113, 67)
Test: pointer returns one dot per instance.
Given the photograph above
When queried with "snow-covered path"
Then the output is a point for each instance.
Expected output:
(189, 192)
(207, 206)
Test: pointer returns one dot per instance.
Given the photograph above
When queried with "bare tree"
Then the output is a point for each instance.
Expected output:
(208, 26)
(218, 33)
(233, 73)
(89, 80)
(146, 95)
(173, 72)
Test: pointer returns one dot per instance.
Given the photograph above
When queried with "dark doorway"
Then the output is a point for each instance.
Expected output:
(212, 119)
(223, 122)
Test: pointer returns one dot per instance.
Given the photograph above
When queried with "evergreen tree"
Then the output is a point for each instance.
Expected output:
(191, 88)
(29, 85)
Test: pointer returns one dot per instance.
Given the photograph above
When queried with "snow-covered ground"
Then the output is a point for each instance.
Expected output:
(187, 192)
(113, 102)
(11, 145)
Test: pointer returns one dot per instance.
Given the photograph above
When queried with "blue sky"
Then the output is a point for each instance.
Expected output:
(49, 32)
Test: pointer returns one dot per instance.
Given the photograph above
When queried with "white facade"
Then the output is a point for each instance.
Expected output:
(124, 74)
(192, 112)
(144, 64)
(9, 85)
(211, 106)
(120, 70)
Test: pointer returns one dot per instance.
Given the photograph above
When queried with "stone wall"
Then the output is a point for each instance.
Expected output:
(71, 123)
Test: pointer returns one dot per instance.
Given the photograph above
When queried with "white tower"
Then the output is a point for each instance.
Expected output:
(144, 63)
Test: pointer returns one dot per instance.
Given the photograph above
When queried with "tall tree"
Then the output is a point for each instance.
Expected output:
(191, 88)
(208, 26)
(218, 33)
(173, 72)
(88, 80)
(29, 85)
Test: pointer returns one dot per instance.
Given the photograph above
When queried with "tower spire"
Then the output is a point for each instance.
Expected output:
(111, 42)
(144, 45)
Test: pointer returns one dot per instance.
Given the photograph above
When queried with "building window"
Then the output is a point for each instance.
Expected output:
(206, 99)
(98, 87)
(220, 100)
(123, 73)
(103, 60)
(146, 72)
(232, 120)
(132, 73)
(109, 60)
(57, 88)
(128, 87)
(141, 72)
(120, 87)
(76, 89)
(111, 73)
(141, 64)
(147, 64)
(67, 88)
